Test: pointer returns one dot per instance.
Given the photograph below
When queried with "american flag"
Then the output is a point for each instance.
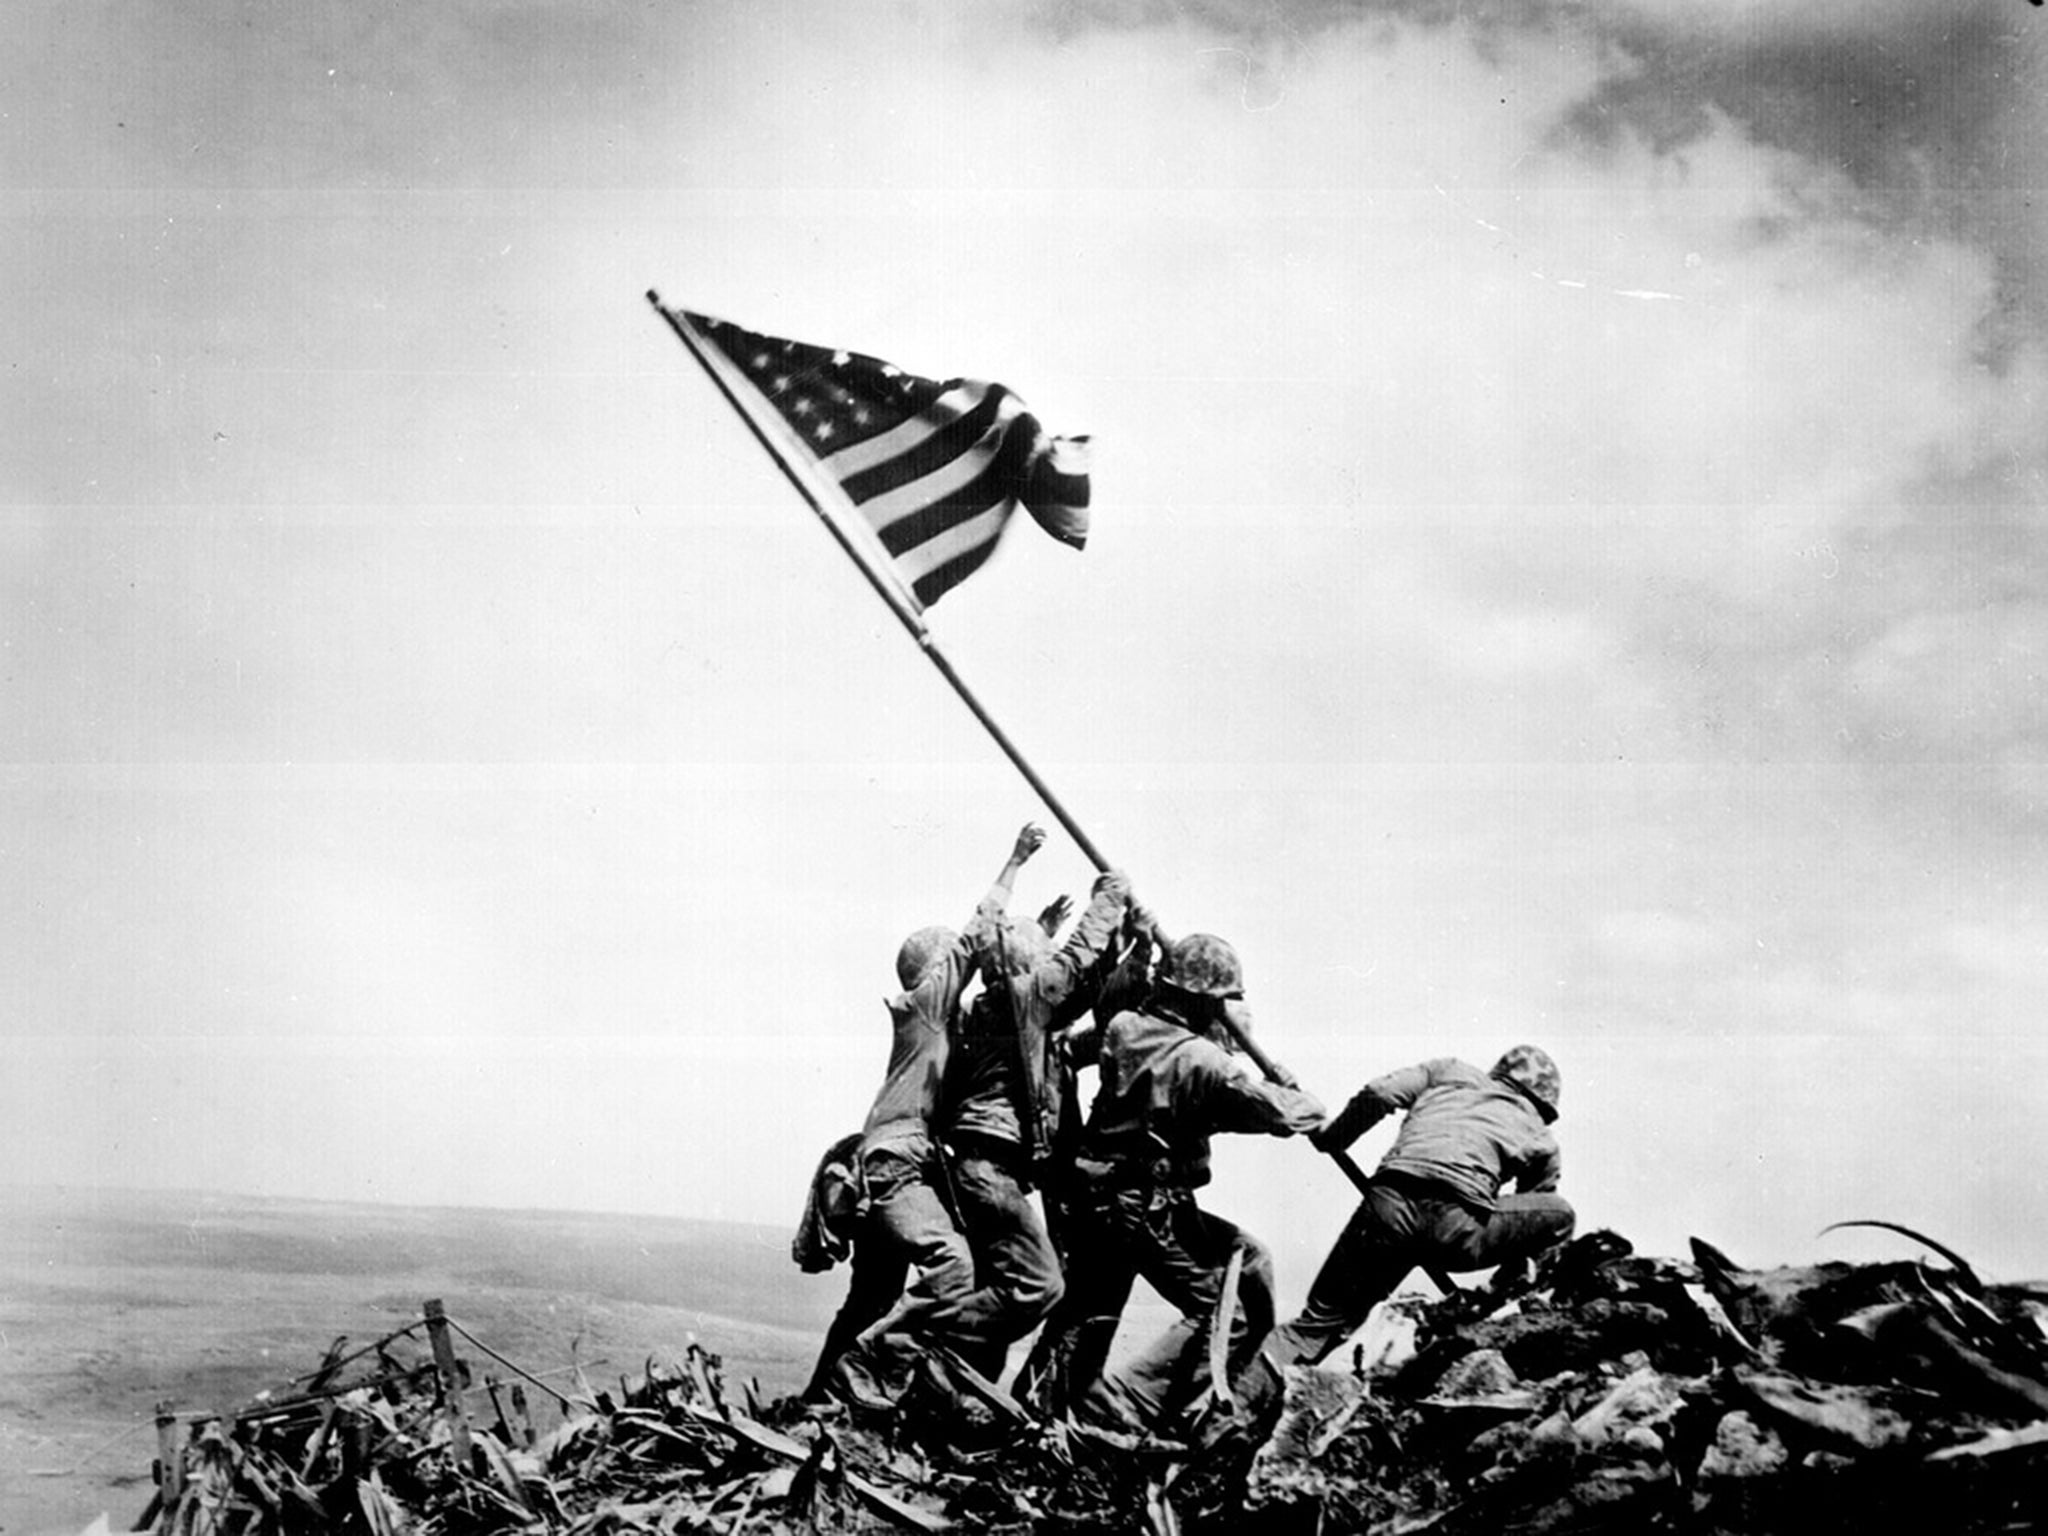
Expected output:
(932, 470)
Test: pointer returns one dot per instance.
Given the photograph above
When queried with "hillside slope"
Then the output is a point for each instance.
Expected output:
(113, 1301)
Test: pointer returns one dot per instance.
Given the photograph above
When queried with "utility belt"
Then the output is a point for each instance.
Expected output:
(1422, 1189)
(1141, 1165)
(886, 1168)
(1006, 1155)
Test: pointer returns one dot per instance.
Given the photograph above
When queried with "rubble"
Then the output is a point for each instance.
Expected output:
(1605, 1392)
(1620, 1393)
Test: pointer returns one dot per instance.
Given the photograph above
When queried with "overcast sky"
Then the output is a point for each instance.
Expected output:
(1568, 565)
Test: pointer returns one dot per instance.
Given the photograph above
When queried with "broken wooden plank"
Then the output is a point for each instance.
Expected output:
(979, 1386)
(787, 1448)
(1998, 1441)
(1967, 1371)
(1218, 1390)
(1847, 1417)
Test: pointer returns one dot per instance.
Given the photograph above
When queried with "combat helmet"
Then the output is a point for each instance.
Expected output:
(918, 952)
(1203, 965)
(1529, 1070)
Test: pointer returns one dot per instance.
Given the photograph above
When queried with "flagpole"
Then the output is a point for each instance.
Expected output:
(884, 589)
(915, 625)
(887, 591)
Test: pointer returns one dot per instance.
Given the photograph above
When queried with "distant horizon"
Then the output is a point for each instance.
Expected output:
(1878, 1232)
(174, 1191)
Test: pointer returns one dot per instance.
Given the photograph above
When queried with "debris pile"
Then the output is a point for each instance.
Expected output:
(1626, 1393)
(1605, 1392)
(399, 1445)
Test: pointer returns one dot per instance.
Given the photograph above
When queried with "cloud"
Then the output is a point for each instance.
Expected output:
(2006, 952)
(1455, 356)
(1761, 21)
(1635, 414)
(1663, 939)
(1960, 684)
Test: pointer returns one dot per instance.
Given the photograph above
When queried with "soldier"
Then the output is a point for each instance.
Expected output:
(1007, 1085)
(1124, 980)
(908, 1222)
(1436, 1198)
(1168, 1083)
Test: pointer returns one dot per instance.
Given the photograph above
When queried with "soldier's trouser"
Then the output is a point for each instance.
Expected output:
(879, 1270)
(1401, 1224)
(909, 1219)
(1017, 1273)
(1182, 1252)
(1069, 1354)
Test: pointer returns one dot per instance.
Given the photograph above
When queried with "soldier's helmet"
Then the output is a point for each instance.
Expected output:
(1530, 1069)
(919, 951)
(1203, 964)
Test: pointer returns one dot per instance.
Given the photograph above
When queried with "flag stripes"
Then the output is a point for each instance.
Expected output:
(929, 471)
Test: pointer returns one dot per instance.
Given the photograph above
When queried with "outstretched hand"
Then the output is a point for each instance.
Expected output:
(1056, 912)
(1029, 841)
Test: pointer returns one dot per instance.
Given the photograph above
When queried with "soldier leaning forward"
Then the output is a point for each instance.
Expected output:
(1169, 1082)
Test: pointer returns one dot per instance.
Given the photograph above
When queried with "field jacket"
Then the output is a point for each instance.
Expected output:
(1465, 1131)
(1165, 1091)
(921, 1023)
(1006, 1083)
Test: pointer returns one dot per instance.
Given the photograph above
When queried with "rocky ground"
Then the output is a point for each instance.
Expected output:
(1606, 1392)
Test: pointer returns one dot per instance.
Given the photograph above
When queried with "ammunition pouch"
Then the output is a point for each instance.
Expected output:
(1135, 1168)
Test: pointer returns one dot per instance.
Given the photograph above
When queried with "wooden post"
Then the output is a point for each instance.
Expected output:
(318, 1448)
(451, 1380)
(170, 1456)
(504, 1430)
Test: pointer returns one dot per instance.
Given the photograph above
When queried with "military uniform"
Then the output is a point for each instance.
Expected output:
(1006, 1085)
(909, 1221)
(1436, 1198)
(1165, 1091)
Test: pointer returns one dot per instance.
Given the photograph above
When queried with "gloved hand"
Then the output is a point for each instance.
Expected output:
(1140, 922)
